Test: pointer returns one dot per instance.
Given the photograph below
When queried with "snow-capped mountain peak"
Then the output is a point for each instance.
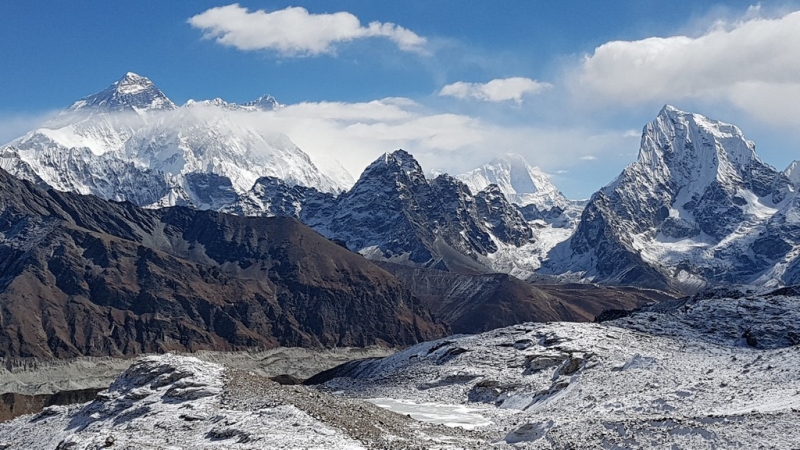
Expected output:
(793, 172)
(265, 102)
(690, 211)
(130, 142)
(132, 92)
(694, 151)
(519, 181)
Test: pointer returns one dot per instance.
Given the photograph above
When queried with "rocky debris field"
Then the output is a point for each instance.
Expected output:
(28, 385)
(652, 379)
(175, 402)
(679, 376)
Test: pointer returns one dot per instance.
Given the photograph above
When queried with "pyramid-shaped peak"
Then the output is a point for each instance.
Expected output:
(669, 110)
(131, 92)
(133, 80)
(130, 76)
(406, 161)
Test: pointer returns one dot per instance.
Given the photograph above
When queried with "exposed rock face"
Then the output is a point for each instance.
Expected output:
(14, 405)
(82, 276)
(477, 303)
(682, 215)
(394, 213)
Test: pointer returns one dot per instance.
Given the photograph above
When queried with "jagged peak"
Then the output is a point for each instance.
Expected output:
(687, 122)
(792, 172)
(399, 159)
(265, 102)
(691, 148)
(398, 163)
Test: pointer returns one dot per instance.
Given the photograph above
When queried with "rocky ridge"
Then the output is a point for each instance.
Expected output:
(693, 211)
(82, 276)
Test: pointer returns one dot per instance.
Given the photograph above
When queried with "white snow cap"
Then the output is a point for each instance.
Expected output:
(519, 181)
(694, 150)
(131, 92)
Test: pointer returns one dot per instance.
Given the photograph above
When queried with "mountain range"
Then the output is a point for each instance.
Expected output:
(84, 276)
(130, 142)
(698, 207)
(80, 275)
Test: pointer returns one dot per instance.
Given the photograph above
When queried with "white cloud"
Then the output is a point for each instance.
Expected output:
(355, 134)
(588, 158)
(752, 63)
(13, 126)
(294, 31)
(631, 134)
(497, 90)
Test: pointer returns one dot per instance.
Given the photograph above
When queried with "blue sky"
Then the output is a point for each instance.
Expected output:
(566, 99)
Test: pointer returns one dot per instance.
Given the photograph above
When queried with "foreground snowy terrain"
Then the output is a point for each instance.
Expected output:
(713, 371)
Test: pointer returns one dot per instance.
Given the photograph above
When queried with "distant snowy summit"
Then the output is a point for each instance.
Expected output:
(131, 142)
(521, 183)
(131, 92)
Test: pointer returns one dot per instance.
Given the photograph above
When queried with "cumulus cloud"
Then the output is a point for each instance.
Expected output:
(294, 31)
(497, 90)
(750, 62)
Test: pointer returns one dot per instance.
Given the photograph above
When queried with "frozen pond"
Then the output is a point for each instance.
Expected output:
(450, 415)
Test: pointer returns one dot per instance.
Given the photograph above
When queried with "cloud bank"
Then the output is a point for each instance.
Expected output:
(295, 32)
(497, 90)
(355, 134)
(752, 63)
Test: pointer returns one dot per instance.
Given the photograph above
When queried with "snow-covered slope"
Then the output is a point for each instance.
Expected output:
(228, 150)
(717, 370)
(520, 182)
(666, 377)
(170, 402)
(684, 215)
(793, 172)
(130, 142)
(180, 402)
